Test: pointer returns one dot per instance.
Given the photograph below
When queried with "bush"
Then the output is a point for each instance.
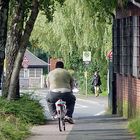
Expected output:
(26, 108)
(134, 126)
(17, 116)
(12, 128)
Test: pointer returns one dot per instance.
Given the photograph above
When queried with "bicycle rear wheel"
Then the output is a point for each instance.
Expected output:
(61, 121)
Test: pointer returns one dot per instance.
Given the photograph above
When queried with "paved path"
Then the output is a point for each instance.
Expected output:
(85, 128)
(88, 128)
(105, 127)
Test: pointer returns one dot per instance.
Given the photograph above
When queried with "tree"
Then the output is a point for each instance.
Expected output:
(77, 26)
(22, 22)
(73, 25)
(4, 6)
(23, 14)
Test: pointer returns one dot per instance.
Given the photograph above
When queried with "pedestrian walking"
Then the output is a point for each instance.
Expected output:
(96, 83)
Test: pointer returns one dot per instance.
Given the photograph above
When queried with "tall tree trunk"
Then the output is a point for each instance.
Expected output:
(12, 46)
(4, 7)
(23, 45)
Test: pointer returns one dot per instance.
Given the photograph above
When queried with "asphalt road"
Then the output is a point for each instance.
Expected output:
(86, 106)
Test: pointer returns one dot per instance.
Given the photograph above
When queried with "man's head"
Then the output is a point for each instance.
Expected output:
(59, 64)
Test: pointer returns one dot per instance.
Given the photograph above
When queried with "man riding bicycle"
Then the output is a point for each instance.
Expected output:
(60, 84)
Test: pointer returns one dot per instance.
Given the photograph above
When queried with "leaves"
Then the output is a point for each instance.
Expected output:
(77, 26)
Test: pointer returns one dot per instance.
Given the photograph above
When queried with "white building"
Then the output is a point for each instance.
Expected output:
(31, 76)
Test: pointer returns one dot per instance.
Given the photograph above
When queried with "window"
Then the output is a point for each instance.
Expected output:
(24, 73)
(136, 45)
(35, 72)
(126, 45)
(115, 44)
(32, 72)
(38, 72)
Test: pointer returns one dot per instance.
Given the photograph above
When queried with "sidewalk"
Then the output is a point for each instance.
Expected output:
(90, 128)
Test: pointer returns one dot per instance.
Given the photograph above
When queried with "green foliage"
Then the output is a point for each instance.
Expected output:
(78, 26)
(47, 6)
(91, 68)
(12, 128)
(74, 28)
(17, 116)
(27, 109)
(134, 126)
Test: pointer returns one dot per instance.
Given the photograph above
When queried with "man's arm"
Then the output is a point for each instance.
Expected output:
(72, 83)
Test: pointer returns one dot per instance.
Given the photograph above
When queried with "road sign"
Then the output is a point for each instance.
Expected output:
(109, 55)
(25, 62)
(86, 56)
(86, 59)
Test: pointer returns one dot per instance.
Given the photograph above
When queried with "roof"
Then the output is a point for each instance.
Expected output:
(32, 61)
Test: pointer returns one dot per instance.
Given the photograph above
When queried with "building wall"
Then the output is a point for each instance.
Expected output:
(126, 55)
(128, 95)
(131, 10)
(52, 63)
(32, 78)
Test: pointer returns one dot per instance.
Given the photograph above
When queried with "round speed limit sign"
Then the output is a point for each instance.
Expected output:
(86, 56)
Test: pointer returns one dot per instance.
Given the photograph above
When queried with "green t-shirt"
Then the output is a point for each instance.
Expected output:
(59, 78)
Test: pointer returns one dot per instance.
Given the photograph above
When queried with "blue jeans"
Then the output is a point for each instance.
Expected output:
(68, 97)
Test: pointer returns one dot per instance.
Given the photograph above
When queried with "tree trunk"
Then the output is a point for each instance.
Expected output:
(4, 6)
(12, 45)
(23, 45)
(11, 52)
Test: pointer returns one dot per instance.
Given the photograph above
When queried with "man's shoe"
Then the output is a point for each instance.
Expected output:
(69, 120)
(54, 117)
(97, 95)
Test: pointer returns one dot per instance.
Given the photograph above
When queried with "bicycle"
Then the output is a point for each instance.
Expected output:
(61, 111)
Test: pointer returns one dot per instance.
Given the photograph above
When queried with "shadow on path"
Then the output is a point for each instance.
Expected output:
(85, 128)
(100, 128)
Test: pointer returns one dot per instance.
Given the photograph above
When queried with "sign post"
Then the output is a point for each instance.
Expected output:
(25, 62)
(109, 55)
(110, 78)
(86, 56)
(86, 60)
